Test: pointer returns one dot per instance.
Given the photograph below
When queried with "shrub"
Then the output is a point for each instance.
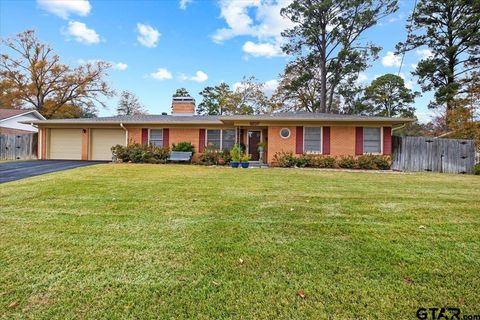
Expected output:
(210, 155)
(138, 153)
(476, 169)
(324, 162)
(184, 146)
(366, 162)
(285, 159)
(347, 162)
(236, 153)
(382, 162)
(225, 154)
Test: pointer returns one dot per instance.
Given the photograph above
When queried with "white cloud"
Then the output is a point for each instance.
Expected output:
(64, 8)
(425, 116)
(408, 82)
(81, 33)
(270, 86)
(260, 19)
(391, 60)
(115, 65)
(184, 4)
(414, 66)
(120, 66)
(200, 76)
(161, 74)
(424, 53)
(261, 49)
(362, 77)
(147, 35)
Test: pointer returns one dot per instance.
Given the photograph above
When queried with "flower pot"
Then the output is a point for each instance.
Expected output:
(245, 165)
(234, 164)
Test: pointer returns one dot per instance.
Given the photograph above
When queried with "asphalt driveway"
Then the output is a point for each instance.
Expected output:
(16, 170)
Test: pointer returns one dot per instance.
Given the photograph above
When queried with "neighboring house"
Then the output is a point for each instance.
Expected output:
(16, 121)
(332, 134)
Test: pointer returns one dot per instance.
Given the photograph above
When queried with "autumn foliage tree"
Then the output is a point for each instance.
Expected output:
(32, 76)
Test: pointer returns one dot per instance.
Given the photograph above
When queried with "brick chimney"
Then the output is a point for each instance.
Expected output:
(183, 106)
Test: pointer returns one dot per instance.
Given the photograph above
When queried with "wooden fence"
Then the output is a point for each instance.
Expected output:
(431, 154)
(18, 146)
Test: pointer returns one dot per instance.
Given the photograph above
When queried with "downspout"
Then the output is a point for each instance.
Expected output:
(397, 128)
(126, 133)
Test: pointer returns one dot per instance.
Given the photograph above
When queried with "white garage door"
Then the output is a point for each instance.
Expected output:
(103, 139)
(66, 144)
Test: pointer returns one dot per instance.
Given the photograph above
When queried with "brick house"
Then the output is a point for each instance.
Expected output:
(328, 134)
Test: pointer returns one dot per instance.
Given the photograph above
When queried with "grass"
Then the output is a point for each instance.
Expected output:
(168, 241)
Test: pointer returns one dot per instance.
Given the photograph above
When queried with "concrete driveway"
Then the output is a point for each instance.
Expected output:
(16, 170)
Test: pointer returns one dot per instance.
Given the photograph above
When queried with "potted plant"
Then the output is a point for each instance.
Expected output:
(235, 155)
(262, 146)
(244, 160)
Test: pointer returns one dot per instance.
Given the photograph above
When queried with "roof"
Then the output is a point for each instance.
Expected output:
(206, 119)
(11, 113)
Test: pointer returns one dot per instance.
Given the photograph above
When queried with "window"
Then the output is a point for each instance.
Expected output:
(156, 137)
(285, 133)
(221, 139)
(372, 140)
(312, 139)
(228, 139)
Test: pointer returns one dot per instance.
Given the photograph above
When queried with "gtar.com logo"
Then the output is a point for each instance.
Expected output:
(448, 313)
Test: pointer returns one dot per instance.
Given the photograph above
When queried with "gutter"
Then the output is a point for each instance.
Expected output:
(126, 133)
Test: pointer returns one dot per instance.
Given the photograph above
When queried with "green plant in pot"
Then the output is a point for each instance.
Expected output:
(235, 154)
(244, 160)
(262, 146)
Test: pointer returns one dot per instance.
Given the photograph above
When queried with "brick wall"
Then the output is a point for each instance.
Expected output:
(134, 135)
(14, 131)
(183, 107)
(278, 144)
(342, 141)
(183, 134)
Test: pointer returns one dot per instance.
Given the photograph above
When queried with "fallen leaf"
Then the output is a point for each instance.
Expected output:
(422, 227)
(301, 293)
(461, 301)
(13, 305)
(240, 260)
(408, 280)
(291, 209)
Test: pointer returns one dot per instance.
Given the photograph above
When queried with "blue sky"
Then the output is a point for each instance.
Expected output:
(159, 46)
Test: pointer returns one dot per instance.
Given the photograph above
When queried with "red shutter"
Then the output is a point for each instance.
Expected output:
(299, 141)
(359, 141)
(201, 140)
(326, 140)
(387, 140)
(166, 138)
(144, 136)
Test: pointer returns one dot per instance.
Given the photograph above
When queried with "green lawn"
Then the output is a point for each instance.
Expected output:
(168, 241)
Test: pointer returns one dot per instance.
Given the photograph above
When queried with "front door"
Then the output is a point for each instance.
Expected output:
(253, 141)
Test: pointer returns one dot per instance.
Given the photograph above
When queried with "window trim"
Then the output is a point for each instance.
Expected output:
(289, 133)
(149, 142)
(381, 141)
(221, 136)
(321, 140)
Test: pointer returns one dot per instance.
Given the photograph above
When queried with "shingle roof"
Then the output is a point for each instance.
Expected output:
(205, 119)
(8, 113)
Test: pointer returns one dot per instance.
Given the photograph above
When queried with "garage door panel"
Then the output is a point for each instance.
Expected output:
(66, 144)
(102, 140)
